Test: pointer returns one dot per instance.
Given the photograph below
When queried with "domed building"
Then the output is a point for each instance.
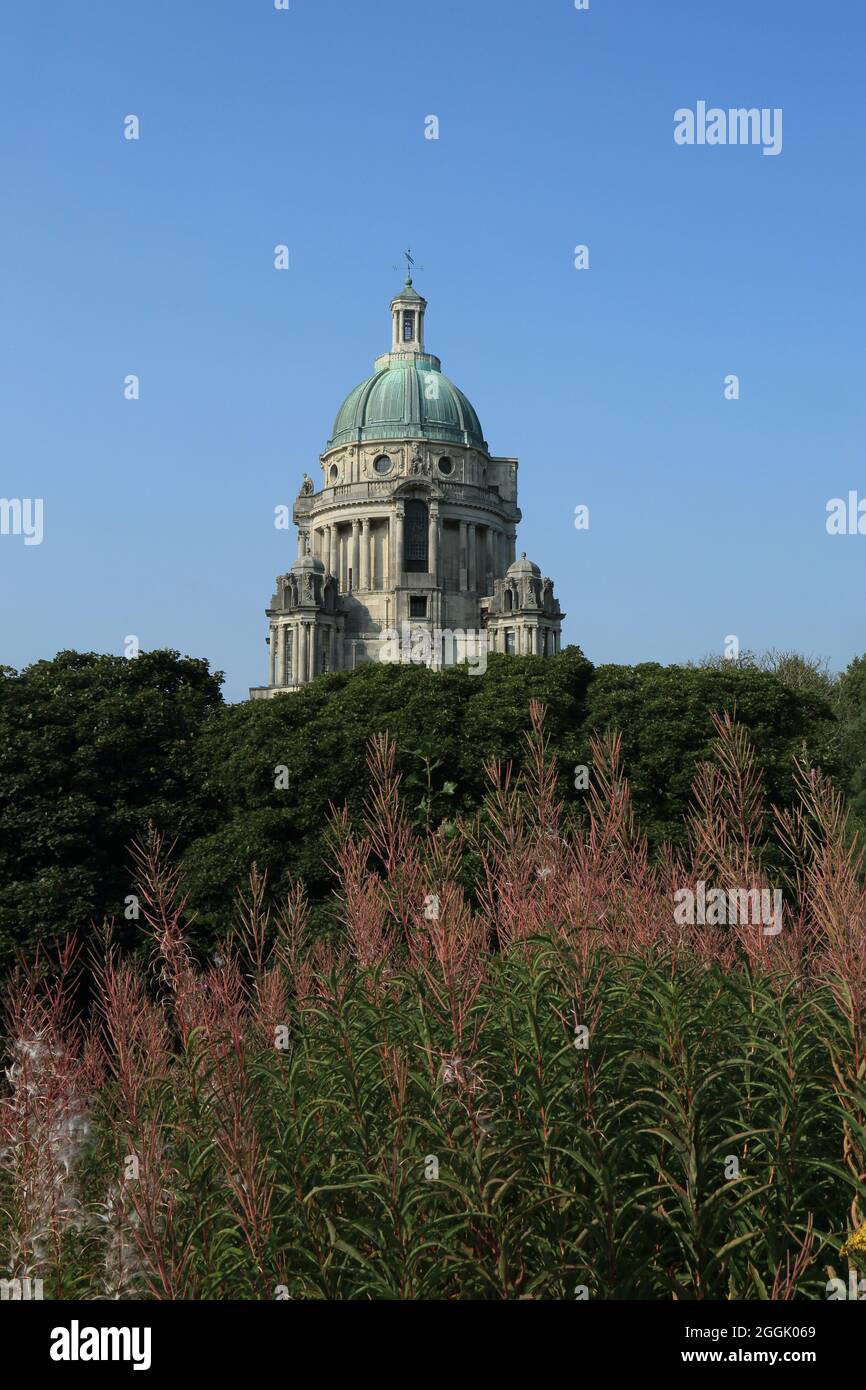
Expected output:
(407, 550)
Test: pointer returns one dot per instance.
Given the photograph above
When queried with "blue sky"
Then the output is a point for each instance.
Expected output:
(306, 127)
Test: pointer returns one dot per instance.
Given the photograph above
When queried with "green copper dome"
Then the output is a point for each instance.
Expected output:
(409, 399)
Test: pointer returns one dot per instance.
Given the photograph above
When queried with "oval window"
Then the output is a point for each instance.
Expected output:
(335, 472)
(382, 464)
(446, 466)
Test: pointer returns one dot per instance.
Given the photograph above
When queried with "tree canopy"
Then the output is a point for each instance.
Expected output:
(94, 748)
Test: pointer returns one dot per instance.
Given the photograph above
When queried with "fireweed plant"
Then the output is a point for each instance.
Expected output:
(553, 1090)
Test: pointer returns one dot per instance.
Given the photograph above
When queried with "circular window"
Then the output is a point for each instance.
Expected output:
(335, 472)
(382, 464)
(446, 466)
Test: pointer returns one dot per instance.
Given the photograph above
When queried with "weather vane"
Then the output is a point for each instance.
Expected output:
(410, 266)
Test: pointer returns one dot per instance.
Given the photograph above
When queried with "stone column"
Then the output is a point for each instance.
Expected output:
(334, 552)
(372, 557)
(433, 542)
(398, 547)
(272, 656)
(301, 673)
(278, 639)
(332, 648)
(462, 558)
(489, 563)
(512, 546)
(296, 652)
(354, 561)
(471, 556)
(364, 581)
(311, 651)
(302, 548)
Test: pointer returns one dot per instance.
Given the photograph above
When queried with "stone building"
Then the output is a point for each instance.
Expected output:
(407, 549)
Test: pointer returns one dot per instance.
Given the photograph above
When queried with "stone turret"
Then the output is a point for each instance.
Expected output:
(524, 617)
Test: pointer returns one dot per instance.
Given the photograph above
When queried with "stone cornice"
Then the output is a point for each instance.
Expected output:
(375, 494)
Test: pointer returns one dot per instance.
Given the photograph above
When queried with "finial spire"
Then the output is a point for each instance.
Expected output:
(410, 261)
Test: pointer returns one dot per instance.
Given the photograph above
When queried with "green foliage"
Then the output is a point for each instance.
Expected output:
(457, 723)
(451, 718)
(852, 707)
(91, 749)
(664, 716)
(805, 675)
(565, 1092)
(684, 1152)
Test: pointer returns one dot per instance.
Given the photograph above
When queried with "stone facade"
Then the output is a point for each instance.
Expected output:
(411, 535)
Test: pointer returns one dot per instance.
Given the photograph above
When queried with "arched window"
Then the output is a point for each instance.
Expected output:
(415, 538)
(408, 326)
(509, 600)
